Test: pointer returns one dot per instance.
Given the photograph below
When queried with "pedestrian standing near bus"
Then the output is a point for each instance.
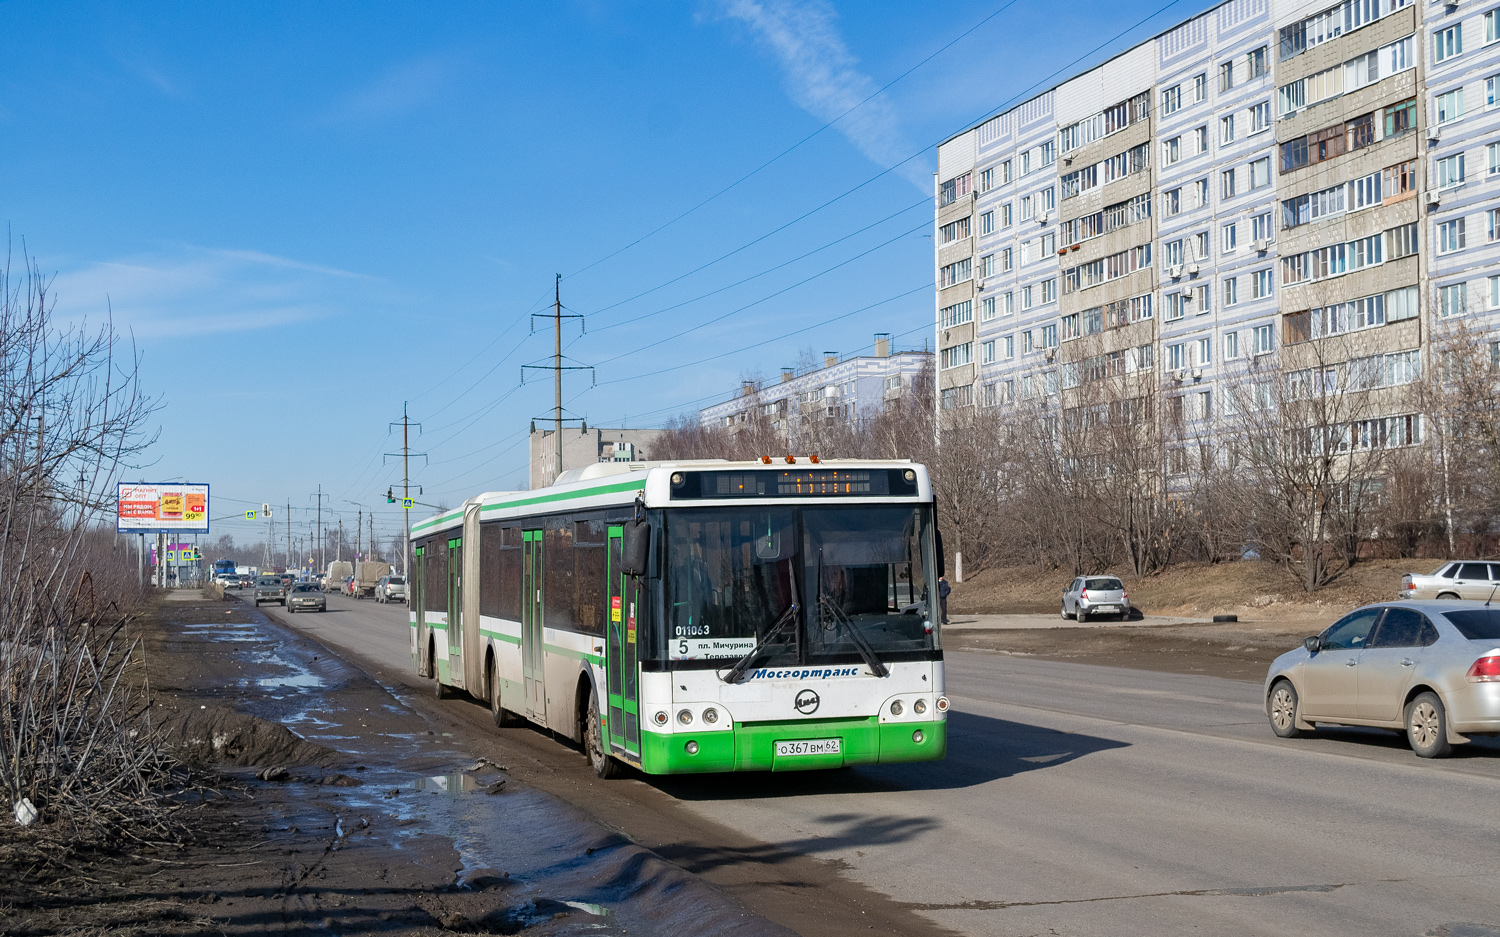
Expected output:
(943, 590)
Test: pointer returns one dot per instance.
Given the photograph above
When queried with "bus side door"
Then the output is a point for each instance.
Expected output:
(531, 626)
(455, 610)
(621, 655)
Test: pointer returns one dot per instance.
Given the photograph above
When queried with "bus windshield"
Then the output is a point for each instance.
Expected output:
(858, 572)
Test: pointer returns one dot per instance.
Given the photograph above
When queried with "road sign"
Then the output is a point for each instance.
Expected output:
(249, 515)
(406, 503)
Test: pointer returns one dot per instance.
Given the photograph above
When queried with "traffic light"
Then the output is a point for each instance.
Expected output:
(390, 496)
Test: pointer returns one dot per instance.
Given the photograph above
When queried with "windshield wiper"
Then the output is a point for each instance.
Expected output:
(743, 667)
(826, 606)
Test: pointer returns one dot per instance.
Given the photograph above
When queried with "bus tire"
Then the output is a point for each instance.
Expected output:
(604, 764)
(504, 718)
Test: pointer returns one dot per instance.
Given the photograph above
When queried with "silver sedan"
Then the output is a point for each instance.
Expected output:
(306, 597)
(1430, 668)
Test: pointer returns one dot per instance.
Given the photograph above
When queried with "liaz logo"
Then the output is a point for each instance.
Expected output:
(806, 702)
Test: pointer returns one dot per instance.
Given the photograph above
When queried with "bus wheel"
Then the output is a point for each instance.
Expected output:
(438, 688)
(504, 718)
(593, 742)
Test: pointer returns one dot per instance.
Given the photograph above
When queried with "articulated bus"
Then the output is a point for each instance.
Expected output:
(700, 616)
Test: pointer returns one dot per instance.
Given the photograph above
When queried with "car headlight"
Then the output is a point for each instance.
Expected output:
(685, 716)
(896, 707)
(710, 715)
(919, 707)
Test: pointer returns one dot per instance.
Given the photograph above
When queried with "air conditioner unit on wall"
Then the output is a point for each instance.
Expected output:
(1192, 270)
(1175, 271)
(1196, 374)
(1434, 134)
(1042, 218)
(1261, 246)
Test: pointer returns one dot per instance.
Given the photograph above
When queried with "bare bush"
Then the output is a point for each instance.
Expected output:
(74, 741)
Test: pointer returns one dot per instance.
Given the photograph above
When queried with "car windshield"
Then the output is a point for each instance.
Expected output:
(1103, 585)
(857, 573)
(397, 581)
(269, 582)
(1477, 624)
(305, 589)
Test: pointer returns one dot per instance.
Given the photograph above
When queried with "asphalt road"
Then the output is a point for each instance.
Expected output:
(1075, 800)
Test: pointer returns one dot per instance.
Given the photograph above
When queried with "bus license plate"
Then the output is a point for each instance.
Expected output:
(808, 747)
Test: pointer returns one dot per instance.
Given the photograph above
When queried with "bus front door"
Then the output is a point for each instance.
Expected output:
(531, 626)
(455, 611)
(620, 664)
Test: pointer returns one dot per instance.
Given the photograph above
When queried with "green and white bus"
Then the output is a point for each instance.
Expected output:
(696, 616)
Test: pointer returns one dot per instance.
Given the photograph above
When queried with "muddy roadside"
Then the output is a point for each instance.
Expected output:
(1236, 650)
(336, 808)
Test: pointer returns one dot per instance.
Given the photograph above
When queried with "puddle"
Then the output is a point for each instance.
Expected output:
(301, 681)
(458, 783)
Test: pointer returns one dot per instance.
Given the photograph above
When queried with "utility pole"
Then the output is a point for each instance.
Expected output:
(338, 545)
(372, 534)
(406, 454)
(359, 527)
(321, 533)
(557, 371)
(289, 533)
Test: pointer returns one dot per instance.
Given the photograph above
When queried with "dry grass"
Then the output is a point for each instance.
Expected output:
(1251, 589)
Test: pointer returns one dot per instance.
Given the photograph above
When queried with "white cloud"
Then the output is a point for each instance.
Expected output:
(202, 291)
(398, 89)
(823, 77)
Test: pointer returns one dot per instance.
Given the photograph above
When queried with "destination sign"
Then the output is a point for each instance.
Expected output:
(794, 483)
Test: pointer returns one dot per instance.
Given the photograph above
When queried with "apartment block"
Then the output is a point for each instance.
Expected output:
(1263, 174)
(843, 389)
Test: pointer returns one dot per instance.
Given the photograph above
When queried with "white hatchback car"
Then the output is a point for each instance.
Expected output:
(1430, 668)
(1095, 595)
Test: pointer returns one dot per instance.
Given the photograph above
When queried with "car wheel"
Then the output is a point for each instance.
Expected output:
(593, 740)
(290, 610)
(1079, 615)
(1427, 726)
(1447, 595)
(1283, 710)
(1063, 613)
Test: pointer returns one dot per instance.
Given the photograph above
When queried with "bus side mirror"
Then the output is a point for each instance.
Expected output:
(637, 548)
(940, 561)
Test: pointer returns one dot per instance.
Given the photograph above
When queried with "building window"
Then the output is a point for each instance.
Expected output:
(955, 397)
(1200, 246)
(1004, 173)
(1450, 106)
(955, 273)
(958, 355)
(1200, 140)
(1492, 222)
(1171, 100)
(987, 223)
(1261, 284)
(987, 265)
(1260, 173)
(1171, 253)
(1026, 295)
(1490, 31)
(1231, 291)
(1489, 90)
(1049, 290)
(1450, 171)
(1452, 300)
(1446, 43)
(1205, 351)
(1226, 76)
(1399, 118)
(1005, 259)
(1226, 184)
(987, 180)
(1171, 203)
(1009, 344)
(987, 309)
(1231, 346)
(1049, 336)
(1177, 356)
(953, 190)
(955, 230)
(1226, 129)
(987, 352)
(957, 314)
(1260, 117)
(1260, 227)
(1263, 340)
(1494, 292)
(1493, 151)
(1260, 62)
(1200, 193)
(1228, 238)
(1450, 236)
(1200, 89)
(1009, 304)
(1401, 241)
(1070, 327)
(1171, 151)
(1005, 219)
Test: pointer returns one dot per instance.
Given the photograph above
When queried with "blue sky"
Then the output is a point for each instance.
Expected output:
(307, 214)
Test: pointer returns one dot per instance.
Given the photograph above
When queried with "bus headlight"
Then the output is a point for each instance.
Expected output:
(942, 704)
(896, 707)
(685, 717)
(691, 748)
(919, 707)
(917, 736)
(660, 718)
(710, 715)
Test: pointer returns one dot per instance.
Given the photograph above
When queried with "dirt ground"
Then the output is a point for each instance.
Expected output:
(1251, 589)
(364, 820)
(1239, 651)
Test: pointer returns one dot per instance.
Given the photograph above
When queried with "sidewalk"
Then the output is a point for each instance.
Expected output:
(1052, 620)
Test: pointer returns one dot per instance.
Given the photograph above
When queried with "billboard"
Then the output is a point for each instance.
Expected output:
(169, 508)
